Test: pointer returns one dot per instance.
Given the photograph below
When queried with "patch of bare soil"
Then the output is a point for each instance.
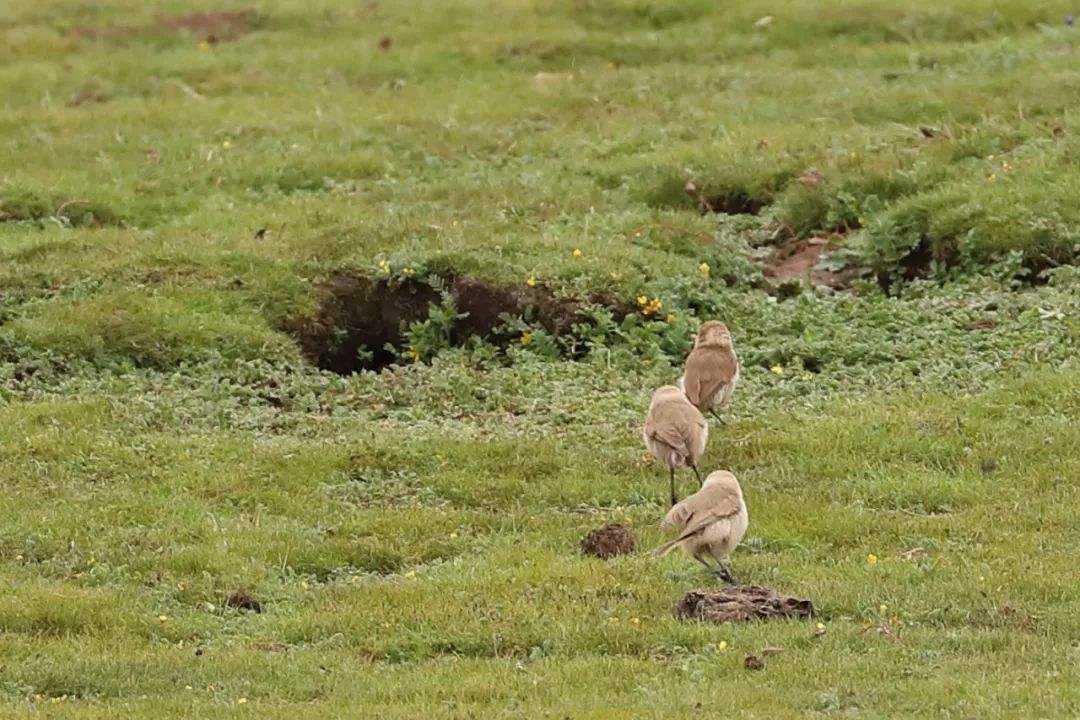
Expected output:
(609, 541)
(798, 260)
(741, 603)
(212, 27)
(357, 313)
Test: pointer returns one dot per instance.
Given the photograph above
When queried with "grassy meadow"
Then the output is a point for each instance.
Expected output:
(327, 330)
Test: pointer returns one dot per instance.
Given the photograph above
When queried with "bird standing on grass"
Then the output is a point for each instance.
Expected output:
(711, 522)
(675, 432)
(712, 369)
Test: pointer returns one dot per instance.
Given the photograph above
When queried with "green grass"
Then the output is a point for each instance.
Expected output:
(171, 211)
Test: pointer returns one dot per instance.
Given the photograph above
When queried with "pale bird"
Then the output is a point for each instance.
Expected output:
(711, 522)
(675, 432)
(712, 369)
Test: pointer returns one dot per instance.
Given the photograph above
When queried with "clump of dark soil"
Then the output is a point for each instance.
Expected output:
(609, 541)
(358, 313)
(244, 600)
(741, 603)
(753, 662)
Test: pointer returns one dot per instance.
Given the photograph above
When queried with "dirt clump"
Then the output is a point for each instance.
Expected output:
(753, 662)
(244, 600)
(609, 541)
(741, 603)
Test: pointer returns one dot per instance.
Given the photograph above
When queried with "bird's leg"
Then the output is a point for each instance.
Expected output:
(697, 475)
(723, 572)
(702, 560)
(673, 498)
(717, 416)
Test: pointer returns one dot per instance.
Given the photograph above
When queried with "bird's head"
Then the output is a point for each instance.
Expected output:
(713, 333)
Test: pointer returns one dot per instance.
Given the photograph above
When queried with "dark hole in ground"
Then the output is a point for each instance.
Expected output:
(730, 202)
(358, 313)
(916, 265)
(609, 541)
(735, 203)
(741, 603)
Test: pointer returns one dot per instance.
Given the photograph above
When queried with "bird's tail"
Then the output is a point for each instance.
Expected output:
(675, 459)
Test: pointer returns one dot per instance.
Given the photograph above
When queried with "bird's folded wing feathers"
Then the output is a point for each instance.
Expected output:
(669, 435)
(709, 519)
(706, 374)
(718, 500)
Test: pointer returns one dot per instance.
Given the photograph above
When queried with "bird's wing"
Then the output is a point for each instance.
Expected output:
(706, 506)
(697, 526)
(707, 371)
(667, 428)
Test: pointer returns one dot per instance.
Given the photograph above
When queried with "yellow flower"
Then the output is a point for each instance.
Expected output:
(650, 307)
(808, 376)
(241, 701)
(871, 559)
(204, 46)
(453, 536)
(993, 177)
(722, 645)
(821, 626)
(226, 144)
(408, 272)
(526, 338)
(304, 585)
(670, 317)
(577, 252)
(531, 282)
(704, 268)
(384, 265)
(188, 687)
(883, 607)
(163, 618)
(414, 354)
(635, 621)
(776, 370)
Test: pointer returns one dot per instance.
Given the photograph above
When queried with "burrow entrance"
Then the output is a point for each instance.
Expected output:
(357, 312)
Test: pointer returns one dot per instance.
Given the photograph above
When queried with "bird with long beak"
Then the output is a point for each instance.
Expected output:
(710, 523)
(675, 432)
(712, 369)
